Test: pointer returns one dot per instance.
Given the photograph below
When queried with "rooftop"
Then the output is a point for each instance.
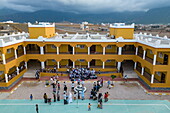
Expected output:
(153, 41)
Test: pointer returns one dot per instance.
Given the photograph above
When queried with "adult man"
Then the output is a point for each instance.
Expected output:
(36, 107)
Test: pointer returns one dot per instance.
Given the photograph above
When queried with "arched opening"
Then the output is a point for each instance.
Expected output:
(65, 49)
(81, 49)
(64, 63)
(147, 74)
(81, 63)
(149, 55)
(50, 63)
(111, 49)
(33, 64)
(10, 55)
(20, 51)
(96, 49)
(128, 50)
(140, 51)
(96, 63)
(50, 49)
(139, 67)
(160, 77)
(110, 63)
(32, 49)
(12, 73)
(21, 66)
(128, 68)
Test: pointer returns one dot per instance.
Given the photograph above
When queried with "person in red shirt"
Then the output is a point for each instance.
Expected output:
(106, 95)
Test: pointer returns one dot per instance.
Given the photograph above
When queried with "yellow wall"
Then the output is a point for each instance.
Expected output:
(48, 48)
(78, 63)
(126, 33)
(64, 62)
(98, 63)
(78, 49)
(9, 55)
(63, 48)
(47, 32)
(112, 63)
(99, 48)
(51, 63)
(113, 49)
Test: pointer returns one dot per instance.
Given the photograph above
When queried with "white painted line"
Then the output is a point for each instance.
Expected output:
(106, 104)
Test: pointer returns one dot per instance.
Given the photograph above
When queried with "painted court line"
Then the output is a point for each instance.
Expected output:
(106, 104)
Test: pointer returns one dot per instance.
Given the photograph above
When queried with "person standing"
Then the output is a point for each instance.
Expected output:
(72, 86)
(36, 107)
(58, 86)
(89, 107)
(31, 97)
(70, 98)
(108, 84)
(58, 96)
(65, 88)
(54, 96)
(45, 97)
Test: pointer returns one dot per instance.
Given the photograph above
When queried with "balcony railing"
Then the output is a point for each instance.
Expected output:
(33, 52)
(10, 59)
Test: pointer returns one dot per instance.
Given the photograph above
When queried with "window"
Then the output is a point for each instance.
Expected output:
(81, 60)
(19, 47)
(109, 47)
(8, 50)
(151, 52)
(108, 61)
(158, 73)
(53, 60)
(160, 55)
(80, 46)
(53, 47)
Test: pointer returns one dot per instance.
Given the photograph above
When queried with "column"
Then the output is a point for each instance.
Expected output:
(57, 50)
(26, 65)
(17, 71)
(120, 51)
(24, 50)
(88, 50)
(142, 72)
(144, 52)
(136, 51)
(103, 65)
(6, 78)
(15, 52)
(42, 65)
(154, 59)
(73, 64)
(152, 78)
(58, 64)
(73, 50)
(104, 49)
(3, 59)
(41, 50)
(135, 65)
(118, 66)
(88, 64)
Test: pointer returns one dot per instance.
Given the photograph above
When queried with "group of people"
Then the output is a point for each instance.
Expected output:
(82, 73)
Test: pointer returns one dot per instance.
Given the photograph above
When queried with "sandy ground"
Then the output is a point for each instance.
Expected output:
(127, 91)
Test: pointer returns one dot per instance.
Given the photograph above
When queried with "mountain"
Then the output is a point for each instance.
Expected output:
(158, 15)
(6, 11)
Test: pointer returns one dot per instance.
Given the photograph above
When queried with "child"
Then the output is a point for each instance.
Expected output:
(75, 95)
(89, 107)
(58, 86)
(31, 97)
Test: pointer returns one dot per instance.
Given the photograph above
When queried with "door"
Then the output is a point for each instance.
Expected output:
(165, 59)
(93, 49)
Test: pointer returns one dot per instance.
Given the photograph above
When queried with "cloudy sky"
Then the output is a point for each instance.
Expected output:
(82, 6)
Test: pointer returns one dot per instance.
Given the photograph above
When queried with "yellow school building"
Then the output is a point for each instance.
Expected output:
(43, 48)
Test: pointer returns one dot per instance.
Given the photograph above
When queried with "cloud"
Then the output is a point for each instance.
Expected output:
(83, 6)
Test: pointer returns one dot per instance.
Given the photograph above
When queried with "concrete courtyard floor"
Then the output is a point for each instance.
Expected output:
(121, 91)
